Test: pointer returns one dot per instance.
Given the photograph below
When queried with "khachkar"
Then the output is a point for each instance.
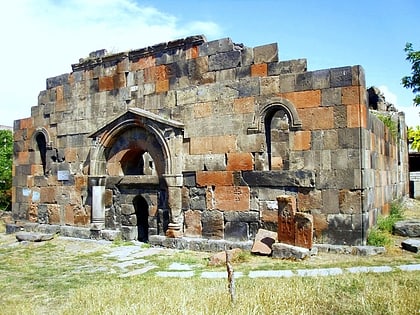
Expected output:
(195, 139)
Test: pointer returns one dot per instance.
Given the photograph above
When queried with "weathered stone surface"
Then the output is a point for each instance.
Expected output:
(236, 231)
(410, 228)
(225, 60)
(263, 242)
(300, 178)
(303, 230)
(266, 53)
(286, 220)
(412, 245)
(192, 223)
(286, 251)
(219, 258)
(213, 224)
(33, 237)
(367, 250)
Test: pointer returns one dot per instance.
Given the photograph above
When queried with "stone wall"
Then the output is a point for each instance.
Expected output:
(226, 129)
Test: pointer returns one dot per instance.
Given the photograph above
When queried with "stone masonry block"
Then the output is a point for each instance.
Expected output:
(236, 231)
(304, 99)
(244, 105)
(225, 60)
(143, 63)
(341, 76)
(192, 223)
(299, 178)
(214, 47)
(302, 140)
(212, 224)
(331, 97)
(242, 216)
(259, 70)
(266, 53)
(321, 79)
(214, 178)
(56, 81)
(286, 222)
(350, 95)
(239, 161)
(232, 198)
(304, 81)
(330, 201)
(270, 85)
(287, 67)
(350, 201)
(309, 199)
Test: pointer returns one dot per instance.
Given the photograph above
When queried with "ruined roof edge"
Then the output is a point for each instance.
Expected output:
(100, 55)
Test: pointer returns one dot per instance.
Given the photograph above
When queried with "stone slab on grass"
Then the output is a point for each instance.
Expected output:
(410, 228)
(412, 245)
(263, 242)
(33, 237)
(286, 251)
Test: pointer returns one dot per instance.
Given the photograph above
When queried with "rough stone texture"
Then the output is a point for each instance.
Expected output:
(33, 237)
(263, 242)
(215, 127)
(410, 228)
(286, 251)
(412, 245)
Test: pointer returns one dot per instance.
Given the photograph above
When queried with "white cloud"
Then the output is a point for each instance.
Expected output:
(412, 117)
(44, 37)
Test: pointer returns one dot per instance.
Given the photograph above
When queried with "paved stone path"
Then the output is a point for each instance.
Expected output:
(135, 255)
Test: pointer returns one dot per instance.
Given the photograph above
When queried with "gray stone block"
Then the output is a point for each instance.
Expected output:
(367, 250)
(331, 97)
(33, 237)
(321, 79)
(412, 245)
(266, 53)
(341, 76)
(299, 178)
(247, 56)
(410, 228)
(285, 251)
(72, 231)
(287, 67)
(304, 81)
(236, 231)
(226, 60)
(214, 47)
(197, 198)
(242, 216)
(57, 81)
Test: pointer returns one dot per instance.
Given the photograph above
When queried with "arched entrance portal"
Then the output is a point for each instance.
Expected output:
(142, 214)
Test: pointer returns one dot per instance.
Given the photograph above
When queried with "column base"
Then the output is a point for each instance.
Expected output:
(174, 230)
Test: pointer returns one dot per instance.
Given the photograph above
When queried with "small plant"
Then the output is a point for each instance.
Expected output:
(390, 124)
(381, 234)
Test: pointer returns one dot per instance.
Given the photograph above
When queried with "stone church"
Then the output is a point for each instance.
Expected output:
(194, 140)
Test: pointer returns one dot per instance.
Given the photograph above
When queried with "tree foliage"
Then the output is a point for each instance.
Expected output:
(6, 161)
(413, 82)
(413, 136)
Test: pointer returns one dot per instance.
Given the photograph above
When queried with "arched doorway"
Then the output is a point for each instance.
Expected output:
(142, 214)
(42, 147)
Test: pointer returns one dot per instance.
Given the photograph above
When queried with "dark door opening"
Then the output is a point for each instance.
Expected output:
(142, 213)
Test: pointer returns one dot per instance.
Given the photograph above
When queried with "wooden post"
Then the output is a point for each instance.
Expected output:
(231, 278)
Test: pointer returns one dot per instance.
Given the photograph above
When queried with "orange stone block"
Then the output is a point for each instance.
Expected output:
(223, 144)
(303, 230)
(23, 158)
(214, 178)
(106, 84)
(153, 74)
(119, 80)
(240, 161)
(70, 154)
(244, 105)
(162, 86)
(231, 198)
(201, 145)
(191, 53)
(69, 215)
(26, 123)
(143, 63)
(54, 216)
(322, 118)
(302, 140)
(304, 99)
(357, 116)
(47, 195)
(202, 110)
(259, 70)
(350, 95)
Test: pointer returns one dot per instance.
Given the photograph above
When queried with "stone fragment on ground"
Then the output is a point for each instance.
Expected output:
(263, 242)
(367, 250)
(412, 245)
(33, 237)
(410, 228)
(220, 257)
(286, 251)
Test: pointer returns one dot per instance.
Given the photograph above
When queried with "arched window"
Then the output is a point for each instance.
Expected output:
(41, 143)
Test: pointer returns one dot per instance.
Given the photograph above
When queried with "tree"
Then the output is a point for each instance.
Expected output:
(413, 136)
(6, 156)
(413, 82)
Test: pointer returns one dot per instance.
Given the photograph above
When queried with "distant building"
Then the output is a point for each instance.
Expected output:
(196, 139)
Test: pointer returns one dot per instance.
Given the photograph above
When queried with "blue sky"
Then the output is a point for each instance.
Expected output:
(42, 38)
